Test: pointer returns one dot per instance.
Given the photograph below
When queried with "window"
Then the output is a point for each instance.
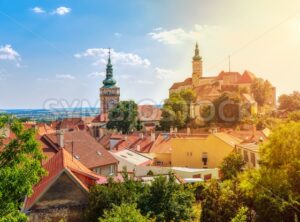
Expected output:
(111, 169)
(246, 158)
(253, 161)
(204, 158)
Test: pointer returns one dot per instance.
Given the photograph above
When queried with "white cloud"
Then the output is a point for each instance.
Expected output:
(8, 53)
(38, 10)
(164, 73)
(62, 10)
(101, 54)
(96, 74)
(65, 76)
(178, 35)
(117, 34)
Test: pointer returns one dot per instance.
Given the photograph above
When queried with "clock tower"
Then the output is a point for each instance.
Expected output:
(109, 92)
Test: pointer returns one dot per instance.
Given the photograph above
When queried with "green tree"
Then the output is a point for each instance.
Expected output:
(176, 109)
(167, 201)
(290, 102)
(261, 90)
(231, 166)
(20, 168)
(221, 201)
(123, 117)
(227, 108)
(294, 116)
(103, 197)
(241, 215)
(273, 191)
(123, 213)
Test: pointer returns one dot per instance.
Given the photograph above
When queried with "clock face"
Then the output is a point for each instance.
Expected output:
(112, 103)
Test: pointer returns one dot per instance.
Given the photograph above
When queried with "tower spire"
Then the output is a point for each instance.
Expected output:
(197, 54)
(109, 81)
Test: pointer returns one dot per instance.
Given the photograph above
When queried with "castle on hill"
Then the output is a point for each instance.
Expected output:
(211, 87)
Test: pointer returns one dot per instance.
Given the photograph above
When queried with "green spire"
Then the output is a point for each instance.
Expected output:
(109, 81)
(197, 54)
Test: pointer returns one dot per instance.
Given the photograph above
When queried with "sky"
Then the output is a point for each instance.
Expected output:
(53, 53)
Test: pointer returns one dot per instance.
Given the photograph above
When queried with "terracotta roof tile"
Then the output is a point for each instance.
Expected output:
(59, 163)
(89, 151)
(247, 78)
(186, 82)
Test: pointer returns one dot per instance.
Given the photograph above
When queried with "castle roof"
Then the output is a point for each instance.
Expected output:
(247, 78)
(223, 74)
(186, 82)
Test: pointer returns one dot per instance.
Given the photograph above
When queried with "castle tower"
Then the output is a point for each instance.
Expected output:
(197, 67)
(109, 92)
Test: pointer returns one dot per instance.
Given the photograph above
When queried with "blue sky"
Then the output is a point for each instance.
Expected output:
(56, 50)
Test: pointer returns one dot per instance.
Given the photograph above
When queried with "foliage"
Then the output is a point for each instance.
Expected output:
(227, 108)
(102, 197)
(220, 201)
(294, 116)
(231, 166)
(290, 102)
(167, 201)
(123, 117)
(20, 168)
(123, 213)
(271, 193)
(241, 215)
(261, 91)
(176, 109)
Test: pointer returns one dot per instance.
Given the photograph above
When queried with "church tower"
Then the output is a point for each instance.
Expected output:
(109, 92)
(197, 67)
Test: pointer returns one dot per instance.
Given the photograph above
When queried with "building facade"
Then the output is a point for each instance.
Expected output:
(211, 87)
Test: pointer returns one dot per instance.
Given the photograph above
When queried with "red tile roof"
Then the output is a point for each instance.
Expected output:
(247, 78)
(62, 162)
(132, 142)
(186, 82)
(223, 74)
(162, 144)
(88, 150)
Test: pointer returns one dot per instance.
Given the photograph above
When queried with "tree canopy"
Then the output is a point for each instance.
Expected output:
(163, 200)
(123, 117)
(270, 193)
(176, 109)
(261, 90)
(290, 102)
(20, 167)
(123, 213)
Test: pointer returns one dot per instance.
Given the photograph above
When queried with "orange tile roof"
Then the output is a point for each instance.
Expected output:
(62, 162)
(186, 82)
(132, 142)
(162, 144)
(247, 78)
(89, 151)
(223, 74)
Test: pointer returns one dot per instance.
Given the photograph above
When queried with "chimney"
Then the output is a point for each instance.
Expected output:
(141, 135)
(253, 130)
(152, 136)
(101, 132)
(138, 148)
(60, 138)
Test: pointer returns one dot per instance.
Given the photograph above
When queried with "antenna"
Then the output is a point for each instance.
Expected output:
(229, 63)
